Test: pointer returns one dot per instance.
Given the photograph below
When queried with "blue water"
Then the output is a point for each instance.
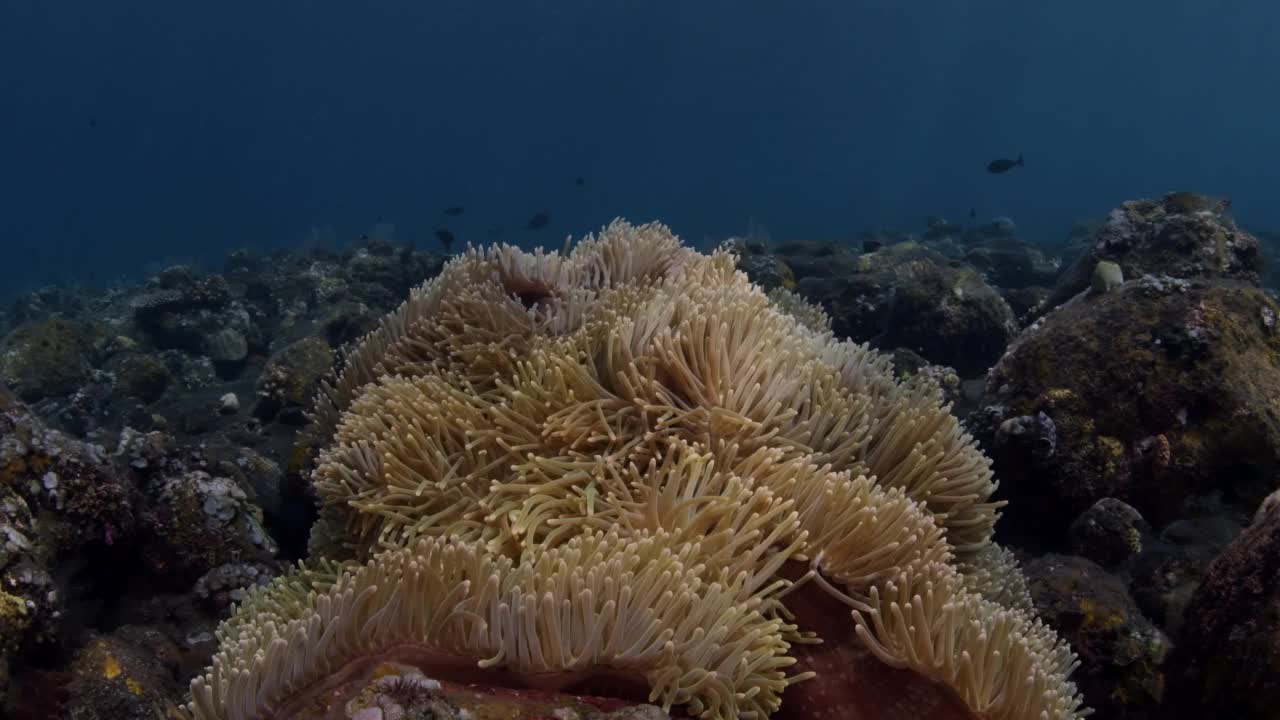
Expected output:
(133, 133)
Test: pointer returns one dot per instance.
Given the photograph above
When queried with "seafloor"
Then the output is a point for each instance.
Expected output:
(158, 442)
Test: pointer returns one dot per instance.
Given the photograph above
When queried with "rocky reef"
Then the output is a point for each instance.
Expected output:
(722, 469)
(1182, 235)
(153, 465)
(1155, 393)
(905, 295)
(1226, 661)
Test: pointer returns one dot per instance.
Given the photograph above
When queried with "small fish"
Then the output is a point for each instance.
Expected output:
(1001, 165)
(539, 221)
(454, 210)
(446, 239)
(93, 121)
(973, 213)
(496, 231)
(579, 181)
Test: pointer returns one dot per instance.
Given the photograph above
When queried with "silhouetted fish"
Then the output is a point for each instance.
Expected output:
(973, 213)
(446, 239)
(496, 230)
(1000, 165)
(579, 181)
(454, 210)
(93, 121)
(539, 221)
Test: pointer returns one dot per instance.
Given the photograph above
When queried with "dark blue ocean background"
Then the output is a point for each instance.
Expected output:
(138, 133)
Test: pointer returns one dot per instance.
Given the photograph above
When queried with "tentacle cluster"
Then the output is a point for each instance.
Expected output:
(599, 462)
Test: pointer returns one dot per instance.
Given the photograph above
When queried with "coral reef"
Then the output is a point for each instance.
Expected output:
(623, 469)
(129, 496)
(526, 418)
(128, 517)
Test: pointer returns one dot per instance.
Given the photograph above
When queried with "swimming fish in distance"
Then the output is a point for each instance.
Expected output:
(1001, 165)
(539, 221)
(446, 239)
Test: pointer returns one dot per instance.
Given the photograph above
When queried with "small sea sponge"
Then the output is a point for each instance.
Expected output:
(1107, 276)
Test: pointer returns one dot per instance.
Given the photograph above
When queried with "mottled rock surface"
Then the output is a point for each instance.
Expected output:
(1152, 394)
(45, 358)
(1121, 652)
(1227, 663)
(909, 296)
(1181, 235)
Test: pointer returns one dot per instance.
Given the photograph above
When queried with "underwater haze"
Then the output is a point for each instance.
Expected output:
(137, 133)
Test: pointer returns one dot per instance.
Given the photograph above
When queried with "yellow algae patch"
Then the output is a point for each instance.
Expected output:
(111, 667)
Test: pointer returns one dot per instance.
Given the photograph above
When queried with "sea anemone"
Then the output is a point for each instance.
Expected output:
(623, 469)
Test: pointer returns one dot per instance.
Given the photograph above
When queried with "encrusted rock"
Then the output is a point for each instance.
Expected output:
(1109, 533)
(44, 359)
(908, 296)
(226, 345)
(1153, 397)
(129, 674)
(200, 522)
(1228, 652)
(288, 383)
(1165, 576)
(801, 258)
(908, 364)
(199, 317)
(227, 584)
(139, 376)
(1182, 235)
(764, 268)
(1121, 652)
(85, 497)
(1012, 264)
